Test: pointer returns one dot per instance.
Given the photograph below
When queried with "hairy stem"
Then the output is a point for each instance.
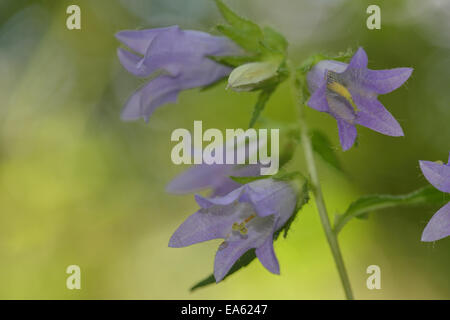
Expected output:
(316, 188)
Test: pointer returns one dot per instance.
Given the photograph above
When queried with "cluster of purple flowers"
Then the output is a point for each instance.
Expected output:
(247, 216)
(244, 216)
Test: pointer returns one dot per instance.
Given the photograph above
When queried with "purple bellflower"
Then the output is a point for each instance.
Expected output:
(181, 56)
(217, 176)
(211, 176)
(439, 176)
(349, 93)
(245, 218)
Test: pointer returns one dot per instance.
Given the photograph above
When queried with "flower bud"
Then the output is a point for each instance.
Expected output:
(252, 76)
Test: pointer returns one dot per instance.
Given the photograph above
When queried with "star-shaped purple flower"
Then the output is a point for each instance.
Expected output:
(181, 55)
(439, 176)
(246, 218)
(349, 93)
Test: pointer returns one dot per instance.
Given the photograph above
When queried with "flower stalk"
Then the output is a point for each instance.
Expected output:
(315, 185)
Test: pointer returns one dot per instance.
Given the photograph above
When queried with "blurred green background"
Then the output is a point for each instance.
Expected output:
(79, 186)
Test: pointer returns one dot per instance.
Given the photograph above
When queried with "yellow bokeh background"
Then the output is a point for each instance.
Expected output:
(79, 186)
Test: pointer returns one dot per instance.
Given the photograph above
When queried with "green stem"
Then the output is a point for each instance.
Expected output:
(317, 190)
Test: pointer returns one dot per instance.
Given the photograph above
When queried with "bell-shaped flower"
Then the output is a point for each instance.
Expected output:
(438, 175)
(180, 56)
(215, 176)
(349, 93)
(245, 219)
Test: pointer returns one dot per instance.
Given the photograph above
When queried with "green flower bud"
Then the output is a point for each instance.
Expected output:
(253, 76)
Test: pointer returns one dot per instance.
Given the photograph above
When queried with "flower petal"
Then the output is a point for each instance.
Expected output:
(385, 81)
(186, 52)
(133, 63)
(347, 134)
(231, 197)
(373, 115)
(259, 230)
(340, 108)
(207, 44)
(199, 227)
(139, 40)
(359, 60)
(437, 174)
(227, 257)
(318, 99)
(164, 89)
(317, 75)
(270, 197)
(200, 177)
(439, 225)
(225, 185)
(267, 257)
(267, 197)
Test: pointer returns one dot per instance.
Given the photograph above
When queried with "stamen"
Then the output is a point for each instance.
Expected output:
(223, 245)
(334, 85)
(237, 226)
(241, 226)
(249, 218)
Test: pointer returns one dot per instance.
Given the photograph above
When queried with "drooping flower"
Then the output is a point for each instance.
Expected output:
(439, 176)
(349, 93)
(246, 218)
(211, 176)
(182, 58)
(217, 176)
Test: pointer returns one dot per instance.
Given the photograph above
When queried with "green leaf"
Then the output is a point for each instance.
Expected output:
(263, 43)
(314, 59)
(244, 32)
(288, 151)
(250, 255)
(322, 146)
(274, 41)
(343, 56)
(232, 61)
(245, 180)
(236, 21)
(247, 40)
(263, 97)
(283, 175)
(367, 204)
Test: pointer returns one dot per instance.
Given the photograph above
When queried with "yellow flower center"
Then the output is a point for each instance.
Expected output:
(241, 227)
(237, 226)
(334, 86)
